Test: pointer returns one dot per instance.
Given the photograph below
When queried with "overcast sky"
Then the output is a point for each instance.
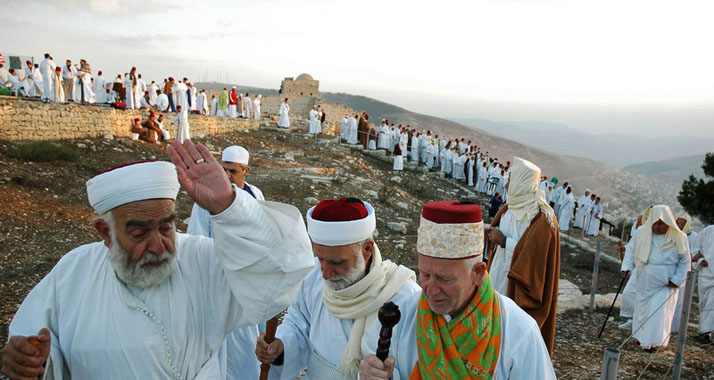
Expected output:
(608, 65)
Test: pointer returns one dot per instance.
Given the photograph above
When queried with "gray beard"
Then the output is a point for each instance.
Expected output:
(136, 273)
(352, 276)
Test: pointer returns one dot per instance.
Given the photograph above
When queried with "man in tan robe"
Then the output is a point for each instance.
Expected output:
(527, 255)
(363, 129)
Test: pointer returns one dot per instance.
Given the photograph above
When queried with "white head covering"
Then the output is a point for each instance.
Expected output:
(335, 234)
(525, 199)
(674, 238)
(131, 183)
(237, 154)
(687, 226)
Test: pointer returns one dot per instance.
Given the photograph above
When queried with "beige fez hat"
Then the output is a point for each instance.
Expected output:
(236, 154)
(133, 182)
(450, 230)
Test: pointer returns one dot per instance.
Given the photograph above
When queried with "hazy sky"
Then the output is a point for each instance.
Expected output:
(607, 65)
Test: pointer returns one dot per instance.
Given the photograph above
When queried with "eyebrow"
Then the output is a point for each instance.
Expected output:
(144, 223)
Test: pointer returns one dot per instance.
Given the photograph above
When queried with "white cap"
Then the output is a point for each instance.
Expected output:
(132, 183)
(236, 154)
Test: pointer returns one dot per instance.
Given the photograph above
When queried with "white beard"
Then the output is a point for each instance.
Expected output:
(136, 273)
(353, 275)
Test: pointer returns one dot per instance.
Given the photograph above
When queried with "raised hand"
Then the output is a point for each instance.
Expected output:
(201, 176)
(24, 356)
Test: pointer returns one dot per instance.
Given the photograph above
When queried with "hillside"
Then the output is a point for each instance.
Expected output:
(624, 194)
(615, 149)
(674, 170)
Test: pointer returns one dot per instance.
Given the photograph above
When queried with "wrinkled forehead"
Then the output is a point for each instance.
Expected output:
(147, 210)
(434, 265)
(327, 252)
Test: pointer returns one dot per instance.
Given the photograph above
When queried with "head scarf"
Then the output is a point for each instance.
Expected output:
(674, 238)
(687, 226)
(525, 199)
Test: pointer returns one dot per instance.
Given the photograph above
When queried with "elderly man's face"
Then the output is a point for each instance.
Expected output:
(236, 172)
(343, 265)
(449, 284)
(144, 234)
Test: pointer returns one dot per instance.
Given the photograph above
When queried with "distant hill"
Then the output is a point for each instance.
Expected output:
(672, 170)
(624, 193)
(616, 149)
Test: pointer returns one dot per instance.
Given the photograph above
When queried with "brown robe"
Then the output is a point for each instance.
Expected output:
(534, 273)
(363, 131)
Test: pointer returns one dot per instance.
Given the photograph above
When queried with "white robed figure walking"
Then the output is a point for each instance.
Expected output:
(662, 261)
(182, 121)
(583, 205)
(284, 120)
(256, 106)
(703, 252)
(353, 139)
(567, 205)
(592, 226)
(47, 69)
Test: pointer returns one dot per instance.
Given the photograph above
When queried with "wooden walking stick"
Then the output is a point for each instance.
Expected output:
(389, 316)
(270, 328)
(613, 304)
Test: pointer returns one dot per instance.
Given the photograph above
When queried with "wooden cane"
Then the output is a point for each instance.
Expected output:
(270, 328)
(389, 316)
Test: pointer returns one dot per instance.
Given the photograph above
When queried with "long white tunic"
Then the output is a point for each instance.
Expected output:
(655, 301)
(344, 128)
(705, 245)
(398, 162)
(248, 106)
(179, 90)
(47, 69)
(594, 215)
(313, 121)
(567, 205)
(100, 91)
(383, 137)
(236, 358)
(85, 80)
(512, 230)
(103, 329)
(183, 128)
(284, 120)
(415, 149)
(583, 205)
(153, 88)
(353, 138)
(556, 199)
(316, 340)
(629, 298)
(256, 108)
(691, 239)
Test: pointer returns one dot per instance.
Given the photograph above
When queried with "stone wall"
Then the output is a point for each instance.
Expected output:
(32, 120)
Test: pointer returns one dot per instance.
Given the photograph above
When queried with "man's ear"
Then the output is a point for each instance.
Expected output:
(247, 170)
(102, 228)
(367, 250)
(479, 270)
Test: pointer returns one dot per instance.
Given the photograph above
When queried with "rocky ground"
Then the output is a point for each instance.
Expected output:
(45, 213)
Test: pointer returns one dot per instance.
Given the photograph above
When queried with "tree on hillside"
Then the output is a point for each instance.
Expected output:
(697, 195)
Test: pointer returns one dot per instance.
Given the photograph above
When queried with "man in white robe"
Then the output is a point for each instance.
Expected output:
(344, 128)
(16, 85)
(141, 87)
(567, 205)
(415, 148)
(353, 135)
(583, 205)
(247, 106)
(129, 99)
(332, 323)
(181, 120)
(99, 88)
(313, 120)
(284, 120)
(684, 222)
(146, 302)
(703, 252)
(153, 93)
(556, 197)
(84, 75)
(661, 258)
(179, 91)
(457, 308)
(470, 170)
(256, 106)
(383, 137)
(235, 357)
(47, 70)
(202, 103)
(592, 226)
(214, 105)
(68, 73)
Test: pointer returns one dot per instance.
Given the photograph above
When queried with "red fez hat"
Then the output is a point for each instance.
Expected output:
(450, 230)
(453, 212)
(339, 210)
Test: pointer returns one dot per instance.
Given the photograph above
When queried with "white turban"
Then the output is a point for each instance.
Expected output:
(131, 183)
(335, 234)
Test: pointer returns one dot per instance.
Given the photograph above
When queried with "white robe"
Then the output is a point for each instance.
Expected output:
(383, 137)
(513, 231)
(705, 245)
(256, 108)
(629, 293)
(398, 162)
(103, 329)
(470, 171)
(284, 120)
(353, 139)
(179, 91)
(415, 149)
(344, 129)
(566, 211)
(556, 199)
(183, 128)
(248, 106)
(85, 80)
(100, 91)
(315, 339)
(583, 205)
(655, 301)
(47, 69)
(130, 99)
(162, 102)
(594, 215)
(202, 103)
(313, 121)
(236, 356)
(153, 88)
(691, 239)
